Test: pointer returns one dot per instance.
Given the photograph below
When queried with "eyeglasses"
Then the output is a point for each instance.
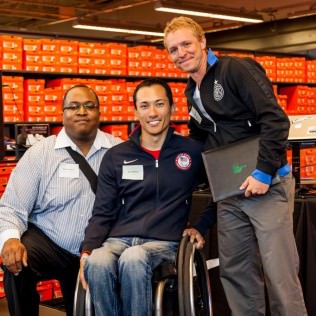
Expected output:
(75, 106)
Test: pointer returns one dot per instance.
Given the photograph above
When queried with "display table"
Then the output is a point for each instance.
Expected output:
(305, 236)
(304, 222)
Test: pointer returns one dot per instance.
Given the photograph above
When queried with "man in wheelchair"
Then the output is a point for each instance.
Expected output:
(141, 208)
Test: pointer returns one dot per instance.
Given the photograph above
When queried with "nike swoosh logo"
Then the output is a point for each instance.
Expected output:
(129, 161)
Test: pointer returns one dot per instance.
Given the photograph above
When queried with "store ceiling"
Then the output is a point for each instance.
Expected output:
(277, 33)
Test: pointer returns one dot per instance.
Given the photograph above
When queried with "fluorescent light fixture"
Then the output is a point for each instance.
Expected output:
(301, 14)
(186, 10)
(84, 26)
(156, 40)
(223, 27)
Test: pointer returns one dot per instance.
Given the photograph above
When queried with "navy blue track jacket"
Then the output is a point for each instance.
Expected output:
(143, 197)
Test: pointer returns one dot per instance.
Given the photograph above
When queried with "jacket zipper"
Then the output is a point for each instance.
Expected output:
(157, 182)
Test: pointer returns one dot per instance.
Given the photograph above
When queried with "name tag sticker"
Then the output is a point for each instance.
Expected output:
(133, 172)
(68, 170)
(195, 114)
(311, 130)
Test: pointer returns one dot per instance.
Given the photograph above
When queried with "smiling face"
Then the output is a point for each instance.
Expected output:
(82, 123)
(153, 110)
(187, 51)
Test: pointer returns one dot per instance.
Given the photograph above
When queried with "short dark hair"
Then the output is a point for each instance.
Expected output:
(81, 86)
(154, 81)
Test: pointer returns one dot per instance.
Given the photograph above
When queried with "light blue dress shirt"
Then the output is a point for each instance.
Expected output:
(48, 189)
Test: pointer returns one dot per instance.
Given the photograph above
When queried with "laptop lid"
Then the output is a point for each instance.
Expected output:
(228, 166)
(303, 127)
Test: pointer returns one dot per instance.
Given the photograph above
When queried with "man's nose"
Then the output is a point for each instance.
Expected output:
(82, 109)
(181, 51)
(152, 110)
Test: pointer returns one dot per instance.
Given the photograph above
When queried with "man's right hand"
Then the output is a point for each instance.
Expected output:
(14, 255)
(81, 274)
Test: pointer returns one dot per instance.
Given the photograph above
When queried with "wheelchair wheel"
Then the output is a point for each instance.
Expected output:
(197, 294)
(82, 301)
(79, 299)
(203, 290)
(180, 273)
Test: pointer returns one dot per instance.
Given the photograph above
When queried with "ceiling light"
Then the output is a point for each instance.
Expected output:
(223, 27)
(86, 26)
(214, 14)
(300, 14)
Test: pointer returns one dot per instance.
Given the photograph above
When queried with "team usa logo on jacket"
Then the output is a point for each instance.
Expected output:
(183, 161)
(218, 91)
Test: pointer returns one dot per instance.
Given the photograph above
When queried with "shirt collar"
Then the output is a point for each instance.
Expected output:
(211, 57)
(63, 140)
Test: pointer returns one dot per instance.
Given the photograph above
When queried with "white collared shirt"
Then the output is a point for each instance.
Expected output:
(38, 191)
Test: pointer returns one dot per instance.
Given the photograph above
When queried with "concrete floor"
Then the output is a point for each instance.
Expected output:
(44, 310)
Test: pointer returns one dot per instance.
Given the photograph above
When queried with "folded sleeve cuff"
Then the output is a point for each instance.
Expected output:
(262, 176)
(267, 178)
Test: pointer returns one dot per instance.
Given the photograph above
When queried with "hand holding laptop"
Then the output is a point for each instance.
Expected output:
(228, 168)
(252, 186)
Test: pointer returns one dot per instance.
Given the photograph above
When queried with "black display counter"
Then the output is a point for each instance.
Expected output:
(304, 222)
(305, 236)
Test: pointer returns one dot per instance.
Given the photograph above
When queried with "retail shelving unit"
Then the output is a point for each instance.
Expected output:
(27, 42)
(59, 75)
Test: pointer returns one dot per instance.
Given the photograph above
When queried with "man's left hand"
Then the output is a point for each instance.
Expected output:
(195, 236)
(254, 187)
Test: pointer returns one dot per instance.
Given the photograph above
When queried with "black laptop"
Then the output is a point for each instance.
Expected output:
(228, 166)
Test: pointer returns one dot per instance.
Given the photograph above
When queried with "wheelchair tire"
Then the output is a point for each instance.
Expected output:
(180, 272)
(79, 299)
(188, 294)
(203, 283)
(197, 295)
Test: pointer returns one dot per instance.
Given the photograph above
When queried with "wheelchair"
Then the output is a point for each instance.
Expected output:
(188, 281)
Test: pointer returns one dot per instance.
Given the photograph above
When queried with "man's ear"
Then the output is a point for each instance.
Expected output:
(173, 108)
(135, 112)
(203, 43)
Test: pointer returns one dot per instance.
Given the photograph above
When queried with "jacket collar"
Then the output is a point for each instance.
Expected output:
(211, 61)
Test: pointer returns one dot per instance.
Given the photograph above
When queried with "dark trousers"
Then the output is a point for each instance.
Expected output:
(46, 261)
